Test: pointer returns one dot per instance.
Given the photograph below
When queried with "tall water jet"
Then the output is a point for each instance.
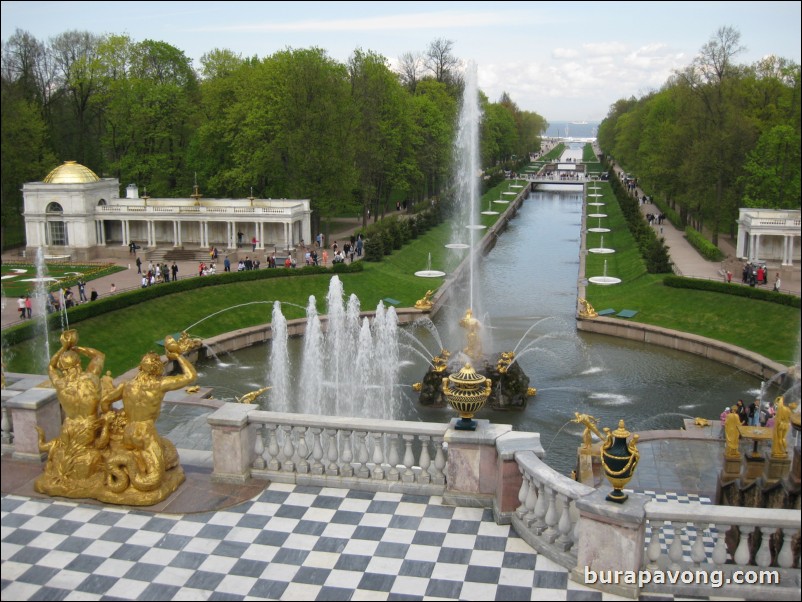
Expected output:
(312, 362)
(279, 363)
(468, 168)
(40, 310)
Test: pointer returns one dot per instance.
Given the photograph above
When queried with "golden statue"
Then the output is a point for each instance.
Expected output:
(591, 425)
(732, 434)
(531, 391)
(251, 397)
(426, 302)
(472, 325)
(782, 420)
(701, 421)
(440, 362)
(504, 361)
(586, 309)
(114, 456)
(143, 468)
(74, 466)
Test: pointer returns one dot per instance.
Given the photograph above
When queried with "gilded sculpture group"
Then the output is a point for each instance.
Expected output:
(779, 435)
(112, 455)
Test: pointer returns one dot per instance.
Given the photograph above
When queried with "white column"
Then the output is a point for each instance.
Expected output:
(178, 237)
(126, 234)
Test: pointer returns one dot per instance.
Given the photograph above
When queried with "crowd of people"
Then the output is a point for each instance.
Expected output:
(752, 415)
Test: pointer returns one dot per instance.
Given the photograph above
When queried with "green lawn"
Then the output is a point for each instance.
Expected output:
(17, 276)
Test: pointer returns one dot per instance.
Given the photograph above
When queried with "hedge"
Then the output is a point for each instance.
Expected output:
(727, 288)
(706, 248)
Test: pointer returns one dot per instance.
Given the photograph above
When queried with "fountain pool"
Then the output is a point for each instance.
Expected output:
(529, 281)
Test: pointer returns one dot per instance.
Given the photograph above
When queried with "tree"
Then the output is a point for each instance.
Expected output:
(772, 170)
(441, 62)
(410, 70)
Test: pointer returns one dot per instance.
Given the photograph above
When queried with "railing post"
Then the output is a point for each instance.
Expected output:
(509, 479)
(29, 409)
(611, 538)
(233, 448)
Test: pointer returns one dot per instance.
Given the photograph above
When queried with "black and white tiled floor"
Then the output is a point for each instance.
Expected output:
(287, 543)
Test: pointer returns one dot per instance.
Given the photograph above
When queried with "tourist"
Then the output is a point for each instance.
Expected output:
(21, 307)
(729, 277)
(81, 289)
(743, 415)
(777, 283)
(253, 244)
(287, 262)
(138, 265)
(325, 257)
(174, 269)
(226, 264)
(145, 281)
(112, 288)
(724, 415)
(28, 307)
(93, 295)
(753, 417)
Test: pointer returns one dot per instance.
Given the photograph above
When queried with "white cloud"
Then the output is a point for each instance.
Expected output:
(606, 47)
(564, 53)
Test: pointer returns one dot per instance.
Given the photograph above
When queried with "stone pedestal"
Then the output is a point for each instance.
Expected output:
(232, 443)
(472, 469)
(29, 409)
(753, 467)
(778, 468)
(611, 539)
(731, 469)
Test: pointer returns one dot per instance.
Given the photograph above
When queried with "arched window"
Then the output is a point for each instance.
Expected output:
(56, 228)
(101, 203)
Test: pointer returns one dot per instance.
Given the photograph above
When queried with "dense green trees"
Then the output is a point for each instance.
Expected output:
(351, 137)
(716, 137)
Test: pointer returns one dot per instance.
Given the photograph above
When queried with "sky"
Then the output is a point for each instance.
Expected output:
(567, 61)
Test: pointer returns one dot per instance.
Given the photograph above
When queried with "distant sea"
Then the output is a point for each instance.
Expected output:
(569, 129)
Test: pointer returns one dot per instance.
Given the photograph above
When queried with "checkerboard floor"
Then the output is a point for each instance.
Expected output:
(287, 543)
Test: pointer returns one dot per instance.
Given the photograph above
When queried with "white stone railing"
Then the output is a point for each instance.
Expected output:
(354, 453)
(547, 518)
(743, 539)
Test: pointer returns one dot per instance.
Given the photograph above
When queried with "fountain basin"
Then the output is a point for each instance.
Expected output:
(604, 280)
(457, 245)
(430, 274)
(597, 215)
(598, 229)
(489, 212)
(601, 250)
(476, 227)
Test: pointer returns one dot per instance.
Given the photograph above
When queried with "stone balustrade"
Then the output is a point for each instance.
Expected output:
(728, 539)
(547, 518)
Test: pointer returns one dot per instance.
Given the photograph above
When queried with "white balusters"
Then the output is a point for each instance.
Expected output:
(259, 448)
(332, 455)
(317, 452)
(786, 556)
(675, 549)
(362, 456)
(378, 457)
(763, 555)
(565, 538)
(439, 476)
(302, 450)
(698, 546)
(6, 427)
(720, 548)
(409, 460)
(741, 555)
(523, 492)
(551, 516)
(654, 550)
(346, 468)
(541, 508)
(425, 461)
(288, 451)
(392, 453)
(272, 447)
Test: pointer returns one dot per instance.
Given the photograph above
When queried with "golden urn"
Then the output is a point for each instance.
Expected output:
(619, 458)
(466, 392)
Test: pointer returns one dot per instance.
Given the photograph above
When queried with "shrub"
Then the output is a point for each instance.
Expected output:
(733, 289)
(706, 248)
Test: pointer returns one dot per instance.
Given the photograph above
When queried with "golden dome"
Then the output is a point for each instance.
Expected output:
(71, 173)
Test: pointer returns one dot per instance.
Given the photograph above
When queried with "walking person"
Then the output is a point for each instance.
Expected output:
(28, 307)
(138, 265)
(21, 307)
(777, 283)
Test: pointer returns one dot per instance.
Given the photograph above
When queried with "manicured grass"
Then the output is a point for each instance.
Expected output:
(770, 329)
(15, 280)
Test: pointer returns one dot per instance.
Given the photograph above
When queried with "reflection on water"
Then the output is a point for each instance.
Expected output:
(530, 275)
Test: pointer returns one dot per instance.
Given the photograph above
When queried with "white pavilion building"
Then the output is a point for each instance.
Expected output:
(74, 212)
(769, 235)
